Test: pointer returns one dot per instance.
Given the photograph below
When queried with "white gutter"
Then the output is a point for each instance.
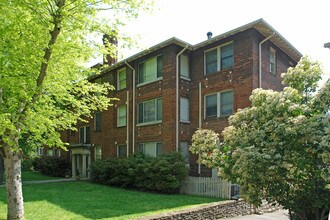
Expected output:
(133, 109)
(260, 60)
(127, 122)
(177, 99)
(199, 119)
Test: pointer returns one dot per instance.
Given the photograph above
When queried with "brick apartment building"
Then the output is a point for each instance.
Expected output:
(168, 91)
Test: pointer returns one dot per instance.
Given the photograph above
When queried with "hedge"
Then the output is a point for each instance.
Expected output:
(51, 166)
(160, 174)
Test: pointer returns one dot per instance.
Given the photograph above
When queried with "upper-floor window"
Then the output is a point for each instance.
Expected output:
(84, 135)
(219, 104)
(272, 60)
(122, 150)
(150, 70)
(150, 111)
(184, 66)
(97, 121)
(184, 109)
(121, 79)
(121, 116)
(219, 58)
(151, 148)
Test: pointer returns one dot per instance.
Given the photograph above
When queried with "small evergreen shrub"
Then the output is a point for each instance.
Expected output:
(26, 164)
(161, 174)
(51, 166)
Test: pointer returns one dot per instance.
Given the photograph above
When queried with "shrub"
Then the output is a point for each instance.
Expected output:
(27, 164)
(51, 166)
(161, 174)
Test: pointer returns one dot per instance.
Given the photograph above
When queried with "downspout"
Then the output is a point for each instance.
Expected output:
(177, 99)
(133, 108)
(260, 60)
(127, 123)
(199, 120)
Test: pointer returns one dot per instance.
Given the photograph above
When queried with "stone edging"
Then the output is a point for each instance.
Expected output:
(217, 210)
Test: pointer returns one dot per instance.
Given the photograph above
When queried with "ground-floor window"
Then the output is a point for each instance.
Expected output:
(151, 148)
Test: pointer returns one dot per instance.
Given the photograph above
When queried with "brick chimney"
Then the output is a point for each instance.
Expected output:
(111, 44)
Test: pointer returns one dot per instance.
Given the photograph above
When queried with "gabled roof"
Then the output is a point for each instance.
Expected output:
(265, 29)
(260, 25)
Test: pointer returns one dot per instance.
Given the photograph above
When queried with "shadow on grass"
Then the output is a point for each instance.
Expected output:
(97, 201)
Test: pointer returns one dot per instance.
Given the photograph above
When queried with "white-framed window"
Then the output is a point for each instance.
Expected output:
(121, 79)
(272, 61)
(153, 149)
(184, 66)
(40, 151)
(84, 135)
(184, 109)
(219, 58)
(121, 150)
(98, 152)
(150, 70)
(97, 121)
(121, 116)
(150, 111)
(184, 150)
(219, 104)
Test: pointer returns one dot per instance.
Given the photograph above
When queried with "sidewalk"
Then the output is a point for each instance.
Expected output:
(278, 215)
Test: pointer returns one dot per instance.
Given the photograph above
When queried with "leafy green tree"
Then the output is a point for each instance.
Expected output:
(279, 148)
(43, 81)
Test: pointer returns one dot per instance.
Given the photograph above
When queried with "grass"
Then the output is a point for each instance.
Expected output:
(32, 175)
(84, 200)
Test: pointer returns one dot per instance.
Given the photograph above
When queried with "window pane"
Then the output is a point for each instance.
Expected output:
(226, 103)
(122, 150)
(211, 105)
(141, 148)
(159, 109)
(150, 149)
(159, 149)
(184, 66)
(141, 113)
(184, 150)
(184, 109)
(211, 61)
(81, 135)
(151, 70)
(97, 121)
(98, 153)
(121, 116)
(159, 66)
(149, 111)
(227, 56)
(122, 79)
(88, 140)
(142, 73)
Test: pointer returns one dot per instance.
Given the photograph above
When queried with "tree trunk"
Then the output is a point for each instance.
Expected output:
(12, 162)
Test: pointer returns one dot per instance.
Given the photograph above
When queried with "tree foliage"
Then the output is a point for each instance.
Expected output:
(43, 79)
(279, 148)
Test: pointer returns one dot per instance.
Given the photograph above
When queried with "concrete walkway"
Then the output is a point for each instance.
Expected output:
(278, 215)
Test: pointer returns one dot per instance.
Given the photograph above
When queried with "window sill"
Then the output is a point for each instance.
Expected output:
(146, 83)
(185, 78)
(120, 89)
(149, 123)
(185, 122)
(121, 126)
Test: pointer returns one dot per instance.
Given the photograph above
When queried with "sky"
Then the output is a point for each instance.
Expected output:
(305, 24)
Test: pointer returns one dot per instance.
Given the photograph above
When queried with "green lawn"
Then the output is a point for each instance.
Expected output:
(84, 200)
(32, 175)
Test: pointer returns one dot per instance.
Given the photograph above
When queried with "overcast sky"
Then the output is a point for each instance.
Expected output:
(305, 24)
